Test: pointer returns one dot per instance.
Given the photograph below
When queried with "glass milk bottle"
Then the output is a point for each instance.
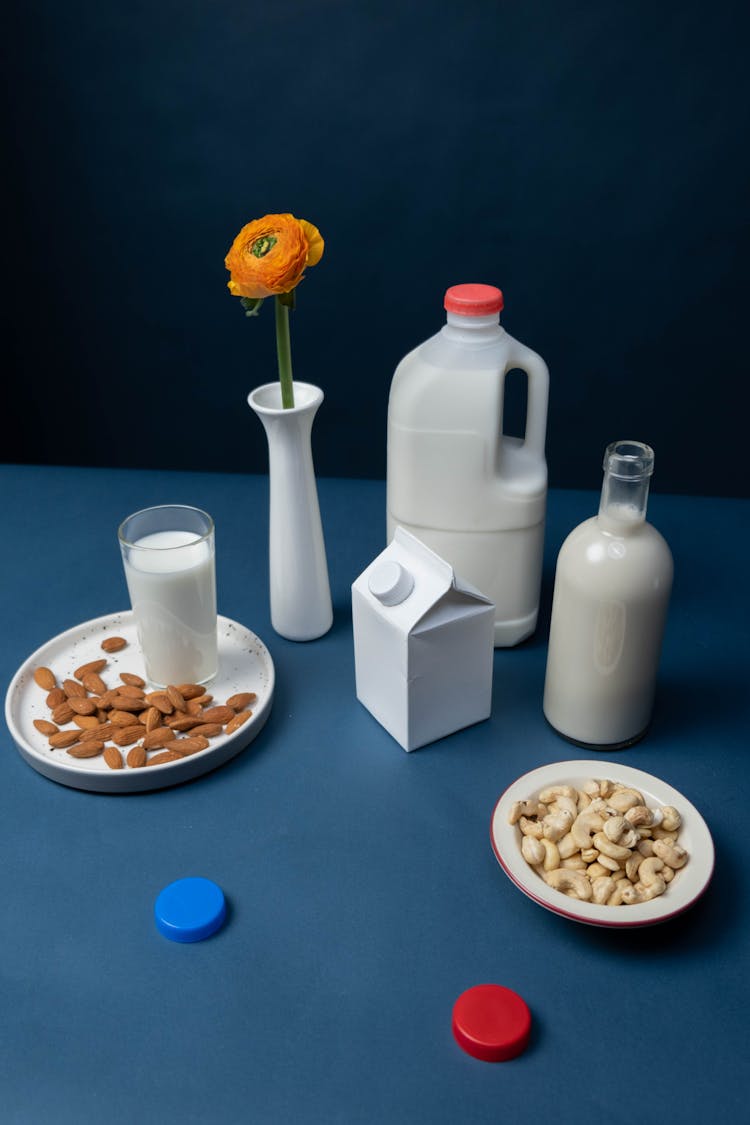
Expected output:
(612, 587)
(472, 494)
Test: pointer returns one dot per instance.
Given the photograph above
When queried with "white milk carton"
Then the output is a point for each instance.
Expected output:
(423, 644)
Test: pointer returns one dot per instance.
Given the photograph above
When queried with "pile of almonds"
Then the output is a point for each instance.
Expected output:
(157, 726)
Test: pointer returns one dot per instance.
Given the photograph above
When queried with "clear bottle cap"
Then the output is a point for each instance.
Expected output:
(629, 460)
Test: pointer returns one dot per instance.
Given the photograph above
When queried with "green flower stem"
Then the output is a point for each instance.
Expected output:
(284, 354)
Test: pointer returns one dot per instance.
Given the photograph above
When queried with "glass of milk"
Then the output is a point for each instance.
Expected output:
(169, 560)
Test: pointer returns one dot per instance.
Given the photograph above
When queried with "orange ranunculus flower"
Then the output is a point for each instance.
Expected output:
(270, 255)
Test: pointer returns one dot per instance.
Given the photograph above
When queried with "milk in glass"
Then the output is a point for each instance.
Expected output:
(171, 581)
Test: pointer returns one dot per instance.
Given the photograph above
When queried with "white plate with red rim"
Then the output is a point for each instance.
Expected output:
(245, 665)
(686, 887)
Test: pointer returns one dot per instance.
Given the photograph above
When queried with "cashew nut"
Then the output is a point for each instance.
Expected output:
(632, 863)
(554, 791)
(672, 854)
(567, 846)
(602, 889)
(552, 857)
(596, 871)
(606, 847)
(648, 872)
(671, 819)
(573, 883)
(532, 851)
(525, 808)
(566, 804)
(530, 827)
(616, 899)
(620, 831)
(584, 825)
(624, 799)
(556, 825)
(642, 893)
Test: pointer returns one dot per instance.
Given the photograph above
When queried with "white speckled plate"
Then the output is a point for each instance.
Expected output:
(687, 886)
(244, 665)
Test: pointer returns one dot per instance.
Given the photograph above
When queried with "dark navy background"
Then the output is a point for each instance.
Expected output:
(589, 158)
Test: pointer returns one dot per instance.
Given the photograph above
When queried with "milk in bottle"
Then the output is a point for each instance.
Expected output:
(612, 588)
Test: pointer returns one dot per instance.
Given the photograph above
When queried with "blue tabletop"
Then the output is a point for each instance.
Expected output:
(362, 893)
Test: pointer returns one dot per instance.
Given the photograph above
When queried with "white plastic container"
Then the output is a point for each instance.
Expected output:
(422, 644)
(474, 495)
(612, 588)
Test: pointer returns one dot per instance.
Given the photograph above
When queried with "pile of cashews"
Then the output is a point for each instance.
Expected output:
(600, 844)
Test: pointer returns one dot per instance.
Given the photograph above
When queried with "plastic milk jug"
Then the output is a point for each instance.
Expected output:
(612, 587)
(472, 494)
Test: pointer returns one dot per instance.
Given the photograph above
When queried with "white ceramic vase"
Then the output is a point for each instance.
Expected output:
(301, 607)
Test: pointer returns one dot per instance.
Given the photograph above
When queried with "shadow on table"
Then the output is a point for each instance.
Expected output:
(711, 922)
(700, 703)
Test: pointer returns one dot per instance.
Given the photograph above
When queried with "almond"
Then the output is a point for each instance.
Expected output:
(132, 680)
(73, 689)
(218, 715)
(113, 757)
(82, 706)
(181, 721)
(45, 727)
(136, 757)
(242, 700)
(105, 700)
(90, 749)
(193, 707)
(128, 703)
(163, 757)
(114, 644)
(87, 722)
(235, 723)
(155, 739)
(93, 683)
(45, 678)
(151, 719)
(185, 746)
(92, 666)
(103, 732)
(206, 730)
(176, 698)
(121, 718)
(56, 697)
(130, 691)
(203, 700)
(190, 691)
(62, 714)
(161, 700)
(126, 736)
(64, 738)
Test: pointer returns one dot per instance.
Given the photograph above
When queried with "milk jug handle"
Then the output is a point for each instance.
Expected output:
(537, 374)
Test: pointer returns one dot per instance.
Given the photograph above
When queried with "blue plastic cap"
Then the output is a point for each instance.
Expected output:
(190, 910)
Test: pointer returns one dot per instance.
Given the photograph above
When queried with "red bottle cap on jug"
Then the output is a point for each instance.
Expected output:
(473, 300)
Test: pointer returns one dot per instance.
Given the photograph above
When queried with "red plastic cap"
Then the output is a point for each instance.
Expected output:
(491, 1023)
(473, 300)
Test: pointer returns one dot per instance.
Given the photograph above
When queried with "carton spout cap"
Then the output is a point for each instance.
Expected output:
(390, 582)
